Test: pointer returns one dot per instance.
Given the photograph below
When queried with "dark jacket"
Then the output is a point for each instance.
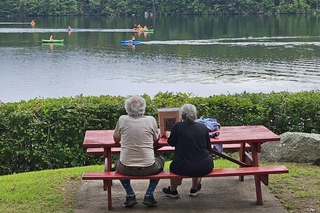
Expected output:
(192, 149)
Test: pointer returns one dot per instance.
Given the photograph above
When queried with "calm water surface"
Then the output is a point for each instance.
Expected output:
(199, 55)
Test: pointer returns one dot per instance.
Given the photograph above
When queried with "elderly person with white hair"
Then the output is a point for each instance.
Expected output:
(137, 132)
(192, 151)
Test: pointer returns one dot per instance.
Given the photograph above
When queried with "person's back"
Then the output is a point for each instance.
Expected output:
(137, 138)
(192, 151)
(191, 155)
(137, 133)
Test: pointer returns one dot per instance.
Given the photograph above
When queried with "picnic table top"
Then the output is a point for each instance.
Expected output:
(228, 135)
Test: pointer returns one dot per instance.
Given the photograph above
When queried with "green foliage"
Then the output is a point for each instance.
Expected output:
(48, 133)
(166, 7)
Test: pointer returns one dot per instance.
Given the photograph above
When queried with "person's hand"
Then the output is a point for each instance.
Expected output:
(168, 134)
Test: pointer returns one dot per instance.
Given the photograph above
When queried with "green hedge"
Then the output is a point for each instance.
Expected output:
(48, 133)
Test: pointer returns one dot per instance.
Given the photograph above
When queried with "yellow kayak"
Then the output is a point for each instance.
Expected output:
(143, 30)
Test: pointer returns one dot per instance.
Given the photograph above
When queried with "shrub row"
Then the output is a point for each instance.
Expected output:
(48, 133)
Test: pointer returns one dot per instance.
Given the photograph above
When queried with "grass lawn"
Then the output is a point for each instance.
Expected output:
(56, 190)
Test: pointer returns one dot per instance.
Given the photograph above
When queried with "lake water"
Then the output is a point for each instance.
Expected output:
(200, 55)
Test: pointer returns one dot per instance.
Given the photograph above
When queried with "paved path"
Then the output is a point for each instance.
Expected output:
(225, 195)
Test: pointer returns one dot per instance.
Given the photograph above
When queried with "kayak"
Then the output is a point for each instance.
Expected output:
(53, 41)
(130, 42)
(54, 44)
(143, 30)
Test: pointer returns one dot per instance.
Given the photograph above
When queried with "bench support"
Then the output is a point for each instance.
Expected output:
(260, 175)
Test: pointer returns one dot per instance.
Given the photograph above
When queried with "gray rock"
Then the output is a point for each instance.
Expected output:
(294, 147)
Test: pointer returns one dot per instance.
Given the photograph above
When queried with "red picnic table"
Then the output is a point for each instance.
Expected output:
(253, 135)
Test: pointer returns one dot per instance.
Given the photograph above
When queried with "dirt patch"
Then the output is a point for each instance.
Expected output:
(69, 191)
(298, 194)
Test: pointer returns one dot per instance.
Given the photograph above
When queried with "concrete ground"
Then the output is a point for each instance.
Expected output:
(225, 195)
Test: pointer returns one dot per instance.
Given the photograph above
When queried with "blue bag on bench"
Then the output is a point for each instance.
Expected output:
(212, 125)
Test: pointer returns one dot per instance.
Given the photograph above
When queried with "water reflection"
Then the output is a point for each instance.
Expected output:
(52, 45)
(92, 61)
(74, 71)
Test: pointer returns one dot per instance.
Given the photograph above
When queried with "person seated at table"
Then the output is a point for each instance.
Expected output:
(137, 132)
(192, 151)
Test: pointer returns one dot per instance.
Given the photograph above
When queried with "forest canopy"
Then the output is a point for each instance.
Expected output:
(160, 7)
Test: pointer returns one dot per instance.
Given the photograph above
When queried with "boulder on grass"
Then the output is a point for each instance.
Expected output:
(294, 147)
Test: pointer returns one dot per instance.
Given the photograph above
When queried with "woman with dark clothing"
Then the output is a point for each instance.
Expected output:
(192, 151)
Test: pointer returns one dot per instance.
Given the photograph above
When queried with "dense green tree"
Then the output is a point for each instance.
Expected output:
(94, 7)
(69, 7)
(160, 7)
(9, 7)
(29, 7)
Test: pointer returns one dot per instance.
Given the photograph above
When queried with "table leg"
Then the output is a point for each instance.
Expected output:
(108, 159)
(257, 178)
(109, 195)
(242, 157)
(107, 167)
(258, 189)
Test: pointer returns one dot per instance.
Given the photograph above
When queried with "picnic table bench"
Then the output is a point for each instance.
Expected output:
(241, 138)
(116, 150)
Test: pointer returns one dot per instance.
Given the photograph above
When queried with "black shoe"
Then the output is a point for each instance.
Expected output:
(193, 192)
(130, 201)
(149, 201)
(167, 191)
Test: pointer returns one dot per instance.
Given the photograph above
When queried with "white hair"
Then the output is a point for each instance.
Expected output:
(188, 113)
(135, 106)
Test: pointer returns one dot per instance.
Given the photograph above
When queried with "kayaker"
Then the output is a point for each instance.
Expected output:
(145, 27)
(69, 28)
(51, 37)
(133, 38)
(33, 22)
